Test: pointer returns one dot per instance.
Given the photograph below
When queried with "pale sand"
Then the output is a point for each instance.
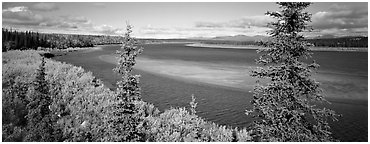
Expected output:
(348, 49)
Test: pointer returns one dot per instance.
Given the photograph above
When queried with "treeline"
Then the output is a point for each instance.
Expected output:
(17, 40)
(326, 42)
(340, 42)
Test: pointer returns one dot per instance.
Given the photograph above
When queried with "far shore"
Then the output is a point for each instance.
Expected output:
(253, 47)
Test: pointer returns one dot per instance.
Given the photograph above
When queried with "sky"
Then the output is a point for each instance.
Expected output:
(177, 19)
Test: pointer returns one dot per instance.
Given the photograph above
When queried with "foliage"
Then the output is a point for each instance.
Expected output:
(80, 101)
(341, 42)
(193, 105)
(17, 40)
(76, 97)
(123, 124)
(18, 72)
(40, 122)
(82, 106)
(178, 125)
(76, 107)
(284, 106)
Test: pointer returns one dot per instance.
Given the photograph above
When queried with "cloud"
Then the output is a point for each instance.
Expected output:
(245, 22)
(107, 30)
(183, 32)
(16, 9)
(68, 22)
(21, 16)
(250, 25)
(341, 19)
(99, 4)
(44, 7)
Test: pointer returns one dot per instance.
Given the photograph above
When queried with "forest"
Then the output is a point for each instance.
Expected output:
(340, 42)
(318, 42)
(48, 101)
(18, 40)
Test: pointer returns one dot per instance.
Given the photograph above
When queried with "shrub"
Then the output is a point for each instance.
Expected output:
(76, 97)
(18, 73)
(40, 122)
(178, 125)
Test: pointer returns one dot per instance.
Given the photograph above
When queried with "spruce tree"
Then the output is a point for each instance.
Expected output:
(40, 124)
(285, 107)
(125, 121)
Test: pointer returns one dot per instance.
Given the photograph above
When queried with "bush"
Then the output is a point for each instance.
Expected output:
(76, 95)
(178, 125)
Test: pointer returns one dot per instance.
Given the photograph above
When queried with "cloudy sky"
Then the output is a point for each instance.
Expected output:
(176, 20)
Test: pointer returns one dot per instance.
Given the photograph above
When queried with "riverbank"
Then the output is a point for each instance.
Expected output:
(59, 52)
(346, 49)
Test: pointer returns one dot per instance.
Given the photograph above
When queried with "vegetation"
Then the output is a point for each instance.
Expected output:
(340, 42)
(14, 40)
(284, 107)
(82, 109)
(41, 122)
(54, 101)
(125, 120)
(76, 97)
(319, 42)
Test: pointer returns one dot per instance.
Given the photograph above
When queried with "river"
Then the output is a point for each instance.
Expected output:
(171, 73)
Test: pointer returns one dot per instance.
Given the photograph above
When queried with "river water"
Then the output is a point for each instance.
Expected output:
(171, 73)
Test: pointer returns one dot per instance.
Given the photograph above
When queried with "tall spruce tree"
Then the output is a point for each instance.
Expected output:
(41, 125)
(125, 121)
(284, 107)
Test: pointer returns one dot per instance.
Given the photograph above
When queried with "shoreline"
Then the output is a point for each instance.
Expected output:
(60, 52)
(72, 49)
(252, 47)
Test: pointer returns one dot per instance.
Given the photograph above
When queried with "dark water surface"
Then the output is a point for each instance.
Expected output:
(343, 75)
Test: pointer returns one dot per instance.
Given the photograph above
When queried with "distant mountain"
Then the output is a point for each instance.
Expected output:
(240, 38)
(326, 36)
(198, 38)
